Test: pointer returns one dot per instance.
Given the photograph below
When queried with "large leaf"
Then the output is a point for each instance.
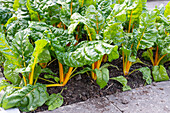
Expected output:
(5, 11)
(86, 53)
(105, 7)
(9, 72)
(15, 27)
(159, 73)
(54, 101)
(147, 30)
(118, 13)
(22, 46)
(96, 18)
(27, 99)
(114, 32)
(134, 9)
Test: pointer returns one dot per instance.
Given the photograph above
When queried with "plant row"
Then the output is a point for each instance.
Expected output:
(76, 33)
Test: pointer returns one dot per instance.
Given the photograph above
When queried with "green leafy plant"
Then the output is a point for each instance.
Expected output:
(75, 34)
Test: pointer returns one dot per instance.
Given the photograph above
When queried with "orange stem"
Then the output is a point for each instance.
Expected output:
(105, 58)
(71, 7)
(160, 59)
(156, 55)
(133, 27)
(39, 17)
(61, 73)
(77, 33)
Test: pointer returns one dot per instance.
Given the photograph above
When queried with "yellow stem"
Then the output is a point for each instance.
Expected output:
(130, 22)
(54, 85)
(32, 72)
(67, 76)
(151, 57)
(82, 3)
(17, 87)
(25, 81)
(51, 62)
(46, 80)
(92, 73)
(89, 33)
(141, 37)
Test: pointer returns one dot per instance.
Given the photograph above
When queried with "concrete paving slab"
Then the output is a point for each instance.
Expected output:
(15, 110)
(149, 99)
(99, 105)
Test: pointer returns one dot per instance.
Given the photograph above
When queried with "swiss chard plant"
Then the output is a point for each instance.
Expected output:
(75, 34)
(160, 52)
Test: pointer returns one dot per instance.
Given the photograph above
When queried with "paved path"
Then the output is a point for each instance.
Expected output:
(153, 98)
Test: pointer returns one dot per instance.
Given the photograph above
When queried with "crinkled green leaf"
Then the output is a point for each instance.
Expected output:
(114, 32)
(85, 53)
(105, 7)
(159, 73)
(28, 98)
(9, 72)
(76, 18)
(118, 13)
(54, 101)
(96, 18)
(147, 30)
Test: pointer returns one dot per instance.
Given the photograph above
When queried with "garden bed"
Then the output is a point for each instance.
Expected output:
(83, 87)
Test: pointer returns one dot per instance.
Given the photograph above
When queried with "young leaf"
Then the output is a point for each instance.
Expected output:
(54, 101)
(123, 81)
(159, 73)
(146, 74)
(102, 77)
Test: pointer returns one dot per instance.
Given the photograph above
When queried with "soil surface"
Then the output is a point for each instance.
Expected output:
(82, 87)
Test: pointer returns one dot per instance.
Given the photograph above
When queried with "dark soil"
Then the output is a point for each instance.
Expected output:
(83, 87)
